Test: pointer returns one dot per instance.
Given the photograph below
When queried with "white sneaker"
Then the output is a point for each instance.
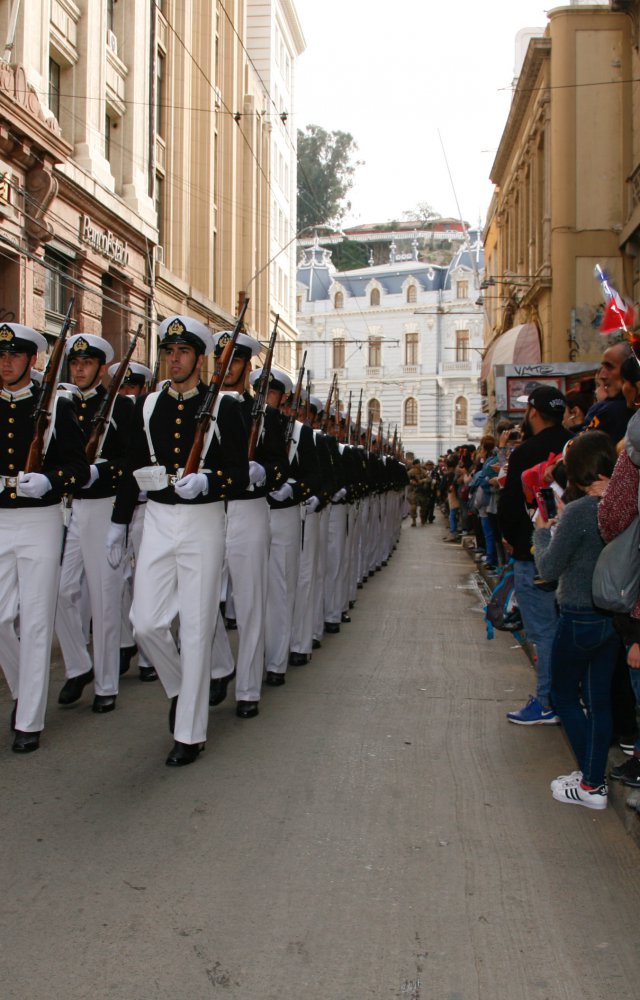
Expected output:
(578, 796)
(566, 779)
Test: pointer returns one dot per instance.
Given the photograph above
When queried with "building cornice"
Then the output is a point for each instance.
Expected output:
(538, 51)
(293, 23)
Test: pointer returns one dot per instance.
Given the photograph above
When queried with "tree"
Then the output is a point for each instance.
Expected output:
(422, 213)
(326, 170)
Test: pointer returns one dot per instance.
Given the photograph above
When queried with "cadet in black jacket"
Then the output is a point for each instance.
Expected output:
(179, 567)
(85, 559)
(247, 543)
(31, 529)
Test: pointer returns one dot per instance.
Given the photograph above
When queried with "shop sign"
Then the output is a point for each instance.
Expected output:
(104, 242)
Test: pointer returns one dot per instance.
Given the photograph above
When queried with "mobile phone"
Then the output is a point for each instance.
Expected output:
(546, 500)
(514, 436)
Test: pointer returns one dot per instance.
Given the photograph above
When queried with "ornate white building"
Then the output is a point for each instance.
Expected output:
(408, 332)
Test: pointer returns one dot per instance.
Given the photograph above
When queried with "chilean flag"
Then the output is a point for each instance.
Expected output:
(619, 314)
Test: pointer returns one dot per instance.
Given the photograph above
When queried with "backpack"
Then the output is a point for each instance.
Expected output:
(502, 611)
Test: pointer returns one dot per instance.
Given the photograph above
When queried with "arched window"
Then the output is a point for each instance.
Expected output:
(411, 412)
(374, 298)
(373, 410)
(462, 411)
(338, 352)
(412, 293)
(338, 302)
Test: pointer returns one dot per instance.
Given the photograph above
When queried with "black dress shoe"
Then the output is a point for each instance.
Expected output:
(230, 624)
(298, 659)
(103, 703)
(148, 674)
(14, 712)
(345, 618)
(72, 689)
(275, 680)
(352, 604)
(25, 742)
(183, 754)
(127, 653)
(361, 586)
(172, 714)
(247, 709)
(331, 627)
(316, 644)
(218, 689)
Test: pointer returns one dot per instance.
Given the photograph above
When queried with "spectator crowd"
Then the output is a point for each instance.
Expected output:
(542, 500)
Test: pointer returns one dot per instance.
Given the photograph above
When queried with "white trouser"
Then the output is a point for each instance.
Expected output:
(179, 573)
(334, 578)
(374, 531)
(355, 525)
(303, 612)
(363, 535)
(130, 561)
(30, 545)
(222, 663)
(247, 558)
(85, 549)
(318, 612)
(284, 557)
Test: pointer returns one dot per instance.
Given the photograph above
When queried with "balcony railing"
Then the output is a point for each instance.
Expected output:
(373, 371)
(410, 369)
(456, 366)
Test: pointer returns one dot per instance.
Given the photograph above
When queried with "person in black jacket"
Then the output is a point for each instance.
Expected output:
(545, 436)
(247, 541)
(179, 569)
(85, 561)
(31, 529)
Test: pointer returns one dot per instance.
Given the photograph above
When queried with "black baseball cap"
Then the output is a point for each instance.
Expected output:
(547, 400)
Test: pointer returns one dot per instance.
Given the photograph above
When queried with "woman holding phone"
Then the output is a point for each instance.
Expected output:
(585, 645)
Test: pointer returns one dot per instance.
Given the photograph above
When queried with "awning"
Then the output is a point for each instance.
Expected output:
(518, 346)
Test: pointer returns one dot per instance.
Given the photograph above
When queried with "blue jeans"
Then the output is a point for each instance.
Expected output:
(585, 649)
(540, 617)
(489, 544)
(453, 520)
(634, 676)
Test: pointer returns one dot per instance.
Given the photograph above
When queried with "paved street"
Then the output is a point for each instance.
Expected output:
(379, 831)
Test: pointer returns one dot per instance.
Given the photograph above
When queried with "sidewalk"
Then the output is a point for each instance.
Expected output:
(379, 831)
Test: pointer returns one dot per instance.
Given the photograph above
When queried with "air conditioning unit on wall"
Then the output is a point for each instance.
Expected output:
(112, 42)
(159, 255)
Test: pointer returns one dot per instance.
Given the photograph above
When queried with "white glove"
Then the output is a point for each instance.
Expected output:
(191, 486)
(340, 495)
(284, 493)
(115, 543)
(257, 474)
(312, 504)
(93, 476)
(32, 485)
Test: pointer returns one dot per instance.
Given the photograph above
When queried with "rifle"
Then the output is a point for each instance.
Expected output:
(260, 399)
(46, 394)
(327, 408)
(204, 416)
(369, 432)
(102, 416)
(394, 445)
(155, 373)
(358, 422)
(379, 441)
(295, 403)
(345, 436)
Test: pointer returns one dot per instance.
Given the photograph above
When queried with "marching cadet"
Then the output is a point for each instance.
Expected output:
(247, 542)
(335, 579)
(85, 556)
(286, 526)
(134, 384)
(301, 643)
(31, 529)
(182, 550)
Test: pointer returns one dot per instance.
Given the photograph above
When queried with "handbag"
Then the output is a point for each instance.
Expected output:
(616, 578)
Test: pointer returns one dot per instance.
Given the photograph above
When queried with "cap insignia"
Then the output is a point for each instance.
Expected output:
(6, 333)
(80, 344)
(176, 328)
(224, 339)
(129, 373)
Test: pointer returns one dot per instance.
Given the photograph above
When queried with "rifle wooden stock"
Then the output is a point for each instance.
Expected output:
(103, 413)
(205, 413)
(262, 391)
(358, 421)
(327, 408)
(346, 434)
(44, 405)
(295, 402)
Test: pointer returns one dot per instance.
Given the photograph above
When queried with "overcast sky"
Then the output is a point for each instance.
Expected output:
(394, 74)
